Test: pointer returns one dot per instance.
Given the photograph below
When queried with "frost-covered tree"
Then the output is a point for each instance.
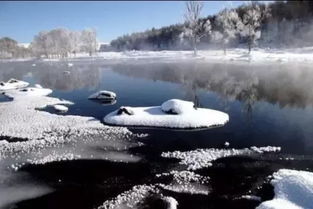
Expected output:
(196, 28)
(8, 47)
(252, 20)
(229, 24)
(89, 41)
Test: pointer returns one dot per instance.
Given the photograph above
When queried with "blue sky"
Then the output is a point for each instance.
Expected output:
(22, 20)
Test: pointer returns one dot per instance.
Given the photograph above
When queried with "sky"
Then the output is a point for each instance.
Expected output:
(22, 20)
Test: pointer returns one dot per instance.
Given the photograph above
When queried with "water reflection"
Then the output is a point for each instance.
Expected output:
(285, 85)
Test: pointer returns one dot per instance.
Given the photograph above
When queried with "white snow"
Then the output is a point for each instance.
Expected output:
(177, 106)
(60, 108)
(131, 198)
(293, 190)
(226, 144)
(156, 117)
(202, 158)
(38, 86)
(300, 55)
(103, 95)
(12, 84)
(28, 92)
(70, 64)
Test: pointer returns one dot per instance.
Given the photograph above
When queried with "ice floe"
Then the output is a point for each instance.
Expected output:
(12, 84)
(60, 108)
(103, 95)
(172, 114)
(293, 190)
(185, 182)
(202, 158)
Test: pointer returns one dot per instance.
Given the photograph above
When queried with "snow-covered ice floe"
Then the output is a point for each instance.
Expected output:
(202, 158)
(293, 190)
(60, 108)
(12, 84)
(173, 113)
(103, 95)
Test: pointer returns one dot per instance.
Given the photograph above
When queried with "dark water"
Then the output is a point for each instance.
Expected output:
(268, 104)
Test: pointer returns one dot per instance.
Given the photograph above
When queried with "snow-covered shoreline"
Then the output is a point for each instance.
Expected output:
(257, 55)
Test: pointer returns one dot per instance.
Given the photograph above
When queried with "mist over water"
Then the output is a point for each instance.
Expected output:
(268, 104)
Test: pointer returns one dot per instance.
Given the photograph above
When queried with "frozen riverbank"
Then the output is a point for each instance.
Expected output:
(301, 55)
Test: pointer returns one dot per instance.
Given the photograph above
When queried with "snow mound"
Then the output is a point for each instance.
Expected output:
(12, 84)
(60, 108)
(103, 95)
(202, 158)
(177, 106)
(188, 117)
(293, 190)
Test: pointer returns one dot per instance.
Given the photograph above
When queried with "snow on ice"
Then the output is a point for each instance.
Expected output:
(202, 158)
(172, 114)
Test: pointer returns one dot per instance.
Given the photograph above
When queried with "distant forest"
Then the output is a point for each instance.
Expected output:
(286, 24)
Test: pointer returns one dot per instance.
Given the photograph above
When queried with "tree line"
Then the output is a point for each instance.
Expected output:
(56, 43)
(277, 24)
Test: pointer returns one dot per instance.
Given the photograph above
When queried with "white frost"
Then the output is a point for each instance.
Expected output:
(293, 190)
(202, 158)
(156, 117)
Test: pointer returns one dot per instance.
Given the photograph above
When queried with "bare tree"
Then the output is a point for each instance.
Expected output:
(195, 27)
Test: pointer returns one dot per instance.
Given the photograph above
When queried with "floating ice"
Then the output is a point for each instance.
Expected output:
(12, 84)
(293, 190)
(60, 108)
(103, 95)
(202, 158)
(188, 117)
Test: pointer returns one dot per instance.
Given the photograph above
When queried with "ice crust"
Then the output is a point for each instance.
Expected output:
(202, 158)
